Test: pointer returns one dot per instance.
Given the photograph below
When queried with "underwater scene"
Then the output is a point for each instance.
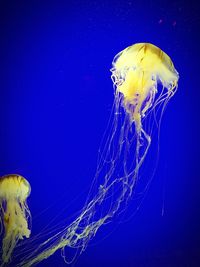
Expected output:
(99, 133)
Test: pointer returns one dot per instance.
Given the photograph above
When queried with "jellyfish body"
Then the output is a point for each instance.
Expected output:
(136, 72)
(14, 190)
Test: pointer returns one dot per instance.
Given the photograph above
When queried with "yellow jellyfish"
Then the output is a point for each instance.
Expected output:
(14, 190)
(136, 72)
(144, 80)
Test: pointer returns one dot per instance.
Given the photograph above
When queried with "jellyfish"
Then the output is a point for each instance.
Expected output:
(14, 190)
(144, 80)
(136, 72)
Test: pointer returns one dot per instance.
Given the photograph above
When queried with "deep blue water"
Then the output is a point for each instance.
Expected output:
(56, 96)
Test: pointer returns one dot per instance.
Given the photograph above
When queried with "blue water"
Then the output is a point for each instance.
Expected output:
(56, 97)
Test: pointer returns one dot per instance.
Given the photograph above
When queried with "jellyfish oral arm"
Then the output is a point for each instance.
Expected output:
(16, 227)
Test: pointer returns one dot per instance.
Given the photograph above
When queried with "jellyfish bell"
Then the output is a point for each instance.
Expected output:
(14, 212)
(136, 72)
(15, 186)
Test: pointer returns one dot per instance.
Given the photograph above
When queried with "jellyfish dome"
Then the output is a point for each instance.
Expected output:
(136, 72)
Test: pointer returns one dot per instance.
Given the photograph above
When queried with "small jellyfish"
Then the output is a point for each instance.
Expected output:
(14, 190)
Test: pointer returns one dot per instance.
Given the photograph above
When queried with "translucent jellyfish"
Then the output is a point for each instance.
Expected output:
(144, 81)
(136, 72)
(14, 190)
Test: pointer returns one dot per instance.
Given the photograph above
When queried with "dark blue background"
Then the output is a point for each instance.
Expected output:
(55, 100)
